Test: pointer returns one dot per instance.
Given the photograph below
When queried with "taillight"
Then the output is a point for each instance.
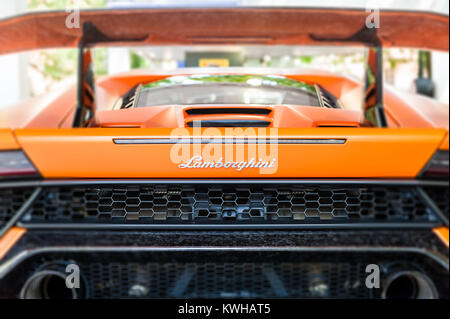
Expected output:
(438, 166)
(16, 164)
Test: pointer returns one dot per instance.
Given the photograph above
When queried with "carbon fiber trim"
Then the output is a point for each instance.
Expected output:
(418, 239)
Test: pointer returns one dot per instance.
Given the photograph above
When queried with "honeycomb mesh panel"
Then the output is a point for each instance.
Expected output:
(227, 274)
(221, 204)
(440, 196)
(11, 200)
(226, 280)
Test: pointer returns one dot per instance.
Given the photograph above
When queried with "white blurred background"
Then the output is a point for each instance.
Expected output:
(33, 73)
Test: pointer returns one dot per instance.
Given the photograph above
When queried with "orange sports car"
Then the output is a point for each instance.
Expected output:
(225, 183)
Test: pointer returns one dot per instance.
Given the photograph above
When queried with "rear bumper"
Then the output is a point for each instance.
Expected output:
(223, 264)
(216, 257)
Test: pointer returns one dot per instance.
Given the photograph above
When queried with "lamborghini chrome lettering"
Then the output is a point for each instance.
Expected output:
(197, 162)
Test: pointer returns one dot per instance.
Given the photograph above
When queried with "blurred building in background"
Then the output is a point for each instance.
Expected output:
(14, 83)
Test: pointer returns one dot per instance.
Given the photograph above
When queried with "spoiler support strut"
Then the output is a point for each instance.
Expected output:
(85, 107)
(373, 106)
(86, 82)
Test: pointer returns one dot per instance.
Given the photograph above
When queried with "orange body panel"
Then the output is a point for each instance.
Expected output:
(158, 148)
(281, 116)
(10, 239)
(367, 152)
(442, 233)
(403, 109)
(413, 110)
(445, 143)
(7, 140)
(48, 110)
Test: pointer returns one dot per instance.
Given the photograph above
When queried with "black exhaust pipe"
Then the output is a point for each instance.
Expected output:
(50, 283)
(409, 285)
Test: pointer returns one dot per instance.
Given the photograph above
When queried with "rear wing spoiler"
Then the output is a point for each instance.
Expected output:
(289, 26)
(239, 26)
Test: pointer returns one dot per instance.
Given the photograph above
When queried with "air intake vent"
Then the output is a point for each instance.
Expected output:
(129, 98)
(440, 197)
(230, 205)
(11, 200)
(233, 110)
(327, 99)
(230, 123)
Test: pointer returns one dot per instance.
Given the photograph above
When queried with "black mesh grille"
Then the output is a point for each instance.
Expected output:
(226, 110)
(197, 204)
(10, 202)
(440, 196)
(227, 274)
(227, 280)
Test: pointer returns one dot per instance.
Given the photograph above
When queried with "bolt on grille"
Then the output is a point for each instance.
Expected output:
(221, 204)
(11, 200)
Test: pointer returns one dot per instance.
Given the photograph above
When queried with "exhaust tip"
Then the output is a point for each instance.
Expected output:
(48, 284)
(409, 285)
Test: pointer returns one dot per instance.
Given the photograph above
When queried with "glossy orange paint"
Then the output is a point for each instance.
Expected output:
(414, 110)
(367, 153)
(111, 87)
(10, 239)
(56, 109)
(7, 140)
(281, 116)
(445, 143)
(46, 111)
(442, 233)
(403, 109)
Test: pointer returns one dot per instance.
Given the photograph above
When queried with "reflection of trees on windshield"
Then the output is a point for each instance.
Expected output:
(225, 93)
(64, 4)
(253, 80)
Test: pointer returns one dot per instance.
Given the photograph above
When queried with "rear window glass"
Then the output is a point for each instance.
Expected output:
(227, 90)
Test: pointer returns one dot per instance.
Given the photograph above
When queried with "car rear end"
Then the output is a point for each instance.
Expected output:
(225, 232)
(225, 211)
